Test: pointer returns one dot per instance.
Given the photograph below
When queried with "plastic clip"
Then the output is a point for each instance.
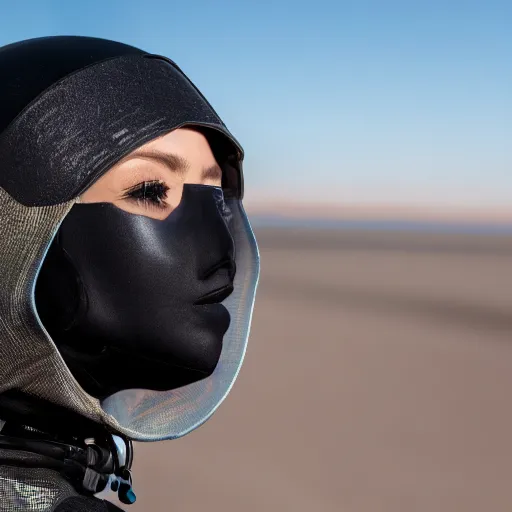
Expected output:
(125, 491)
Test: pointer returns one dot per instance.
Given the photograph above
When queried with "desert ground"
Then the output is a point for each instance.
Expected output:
(378, 378)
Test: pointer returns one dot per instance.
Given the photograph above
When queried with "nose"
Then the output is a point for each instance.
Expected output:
(204, 220)
(227, 265)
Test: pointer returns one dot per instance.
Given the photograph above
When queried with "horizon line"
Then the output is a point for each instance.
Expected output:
(384, 211)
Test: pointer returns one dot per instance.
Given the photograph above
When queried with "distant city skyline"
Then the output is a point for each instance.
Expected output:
(365, 102)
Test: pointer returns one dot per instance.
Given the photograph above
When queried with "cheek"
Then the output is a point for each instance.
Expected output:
(99, 192)
(195, 176)
(213, 182)
(174, 195)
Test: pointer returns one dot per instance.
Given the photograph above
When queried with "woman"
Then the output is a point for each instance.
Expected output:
(129, 268)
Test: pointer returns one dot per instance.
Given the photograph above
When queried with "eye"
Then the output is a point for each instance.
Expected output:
(150, 193)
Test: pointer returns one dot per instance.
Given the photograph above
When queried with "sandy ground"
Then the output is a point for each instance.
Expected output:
(378, 378)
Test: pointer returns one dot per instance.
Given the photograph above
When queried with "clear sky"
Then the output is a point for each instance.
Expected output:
(350, 101)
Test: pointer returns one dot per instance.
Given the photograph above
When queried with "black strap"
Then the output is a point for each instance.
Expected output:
(84, 504)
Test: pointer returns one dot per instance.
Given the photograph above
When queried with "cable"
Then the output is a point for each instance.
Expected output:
(48, 448)
(89, 469)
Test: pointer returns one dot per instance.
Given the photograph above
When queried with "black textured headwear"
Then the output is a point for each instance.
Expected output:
(29, 67)
(81, 104)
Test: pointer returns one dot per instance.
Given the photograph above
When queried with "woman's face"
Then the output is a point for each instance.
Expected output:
(149, 181)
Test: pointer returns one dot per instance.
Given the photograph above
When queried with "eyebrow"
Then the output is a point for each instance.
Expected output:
(176, 163)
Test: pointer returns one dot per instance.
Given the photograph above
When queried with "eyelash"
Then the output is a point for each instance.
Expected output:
(150, 193)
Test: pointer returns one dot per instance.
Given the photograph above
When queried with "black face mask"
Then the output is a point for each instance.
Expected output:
(134, 302)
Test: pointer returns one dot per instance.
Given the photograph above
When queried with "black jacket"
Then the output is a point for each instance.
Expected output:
(83, 504)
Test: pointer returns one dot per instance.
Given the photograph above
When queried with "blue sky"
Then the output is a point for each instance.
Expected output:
(335, 101)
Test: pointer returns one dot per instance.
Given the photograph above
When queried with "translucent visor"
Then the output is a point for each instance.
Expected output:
(146, 415)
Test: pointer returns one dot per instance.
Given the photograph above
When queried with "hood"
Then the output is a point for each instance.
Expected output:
(67, 136)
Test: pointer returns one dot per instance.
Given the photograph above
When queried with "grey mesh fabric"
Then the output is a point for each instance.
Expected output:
(40, 489)
(30, 489)
(30, 361)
